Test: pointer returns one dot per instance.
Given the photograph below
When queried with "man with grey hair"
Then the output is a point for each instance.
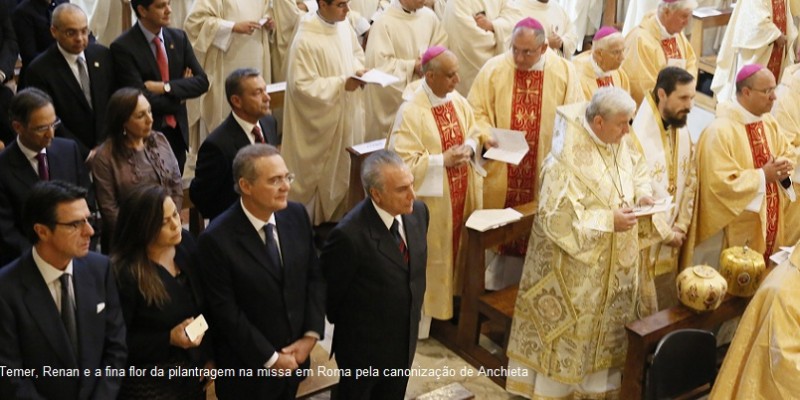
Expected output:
(581, 272)
(600, 67)
(374, 262)
(659, 42)
(265, 291)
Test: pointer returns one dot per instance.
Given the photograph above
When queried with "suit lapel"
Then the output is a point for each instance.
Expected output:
(86, 302)
(252, 244)
(382, 237)
(43, 310)
(64, 73)
(22, 167)
(93, 67)
(145, 51)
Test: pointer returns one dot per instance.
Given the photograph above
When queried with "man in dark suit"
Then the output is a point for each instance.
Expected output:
(32, 25)
(250, 122)
(264, 288)
(165, 69)
(59, 305)
(35, 155)
(9, 52)
(374, 263)
(65, 68)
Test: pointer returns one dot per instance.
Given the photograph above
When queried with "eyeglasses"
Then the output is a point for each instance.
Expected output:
(524, 53)
(41, 130)
(78, 224)
(71, 33)
(277, 181)
(343, 4)
(767, 92)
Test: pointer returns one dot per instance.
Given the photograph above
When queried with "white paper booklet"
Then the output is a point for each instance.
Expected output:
(483, 220)
(662, 205)
(379, 77)
(511, 146)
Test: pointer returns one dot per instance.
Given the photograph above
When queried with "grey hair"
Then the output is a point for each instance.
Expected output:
(436, 62)
(371, 176)
(540, 34)
(677, 5)
(603, 43)
(65, 8)
(608, 101)
(244, 164)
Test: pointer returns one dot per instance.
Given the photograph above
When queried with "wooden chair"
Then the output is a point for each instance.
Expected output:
(684, 365)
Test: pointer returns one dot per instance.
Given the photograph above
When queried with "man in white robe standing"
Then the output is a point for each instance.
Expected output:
(477, 30)
(561, 36)
(323, 111)
(586, 15)
(227, 36)
(399, 55)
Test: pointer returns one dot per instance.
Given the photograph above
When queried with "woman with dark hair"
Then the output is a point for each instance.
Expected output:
(160, 295)
(132, 155)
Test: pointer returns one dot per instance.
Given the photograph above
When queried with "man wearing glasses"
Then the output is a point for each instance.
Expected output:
(520, 90)
(59, 305)
(264, 287)
(78, 75)
(745, 190)
(36, 155)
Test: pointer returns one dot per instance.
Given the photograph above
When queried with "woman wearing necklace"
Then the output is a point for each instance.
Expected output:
(160, 293)
(132, 155)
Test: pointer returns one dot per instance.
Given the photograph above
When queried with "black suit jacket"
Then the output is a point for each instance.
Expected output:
(135, 63)
(32, 25)
(374, 299)
(17, 177)
(33, 336)
(82, 122)
(257, 308)
(211, 190)
(9, 51)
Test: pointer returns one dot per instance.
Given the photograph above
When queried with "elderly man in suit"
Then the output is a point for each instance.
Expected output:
(78, 75)
(374, 263)
(264, 288)
(59, 305)
(160, 61)
(35, 155)
(249, 122)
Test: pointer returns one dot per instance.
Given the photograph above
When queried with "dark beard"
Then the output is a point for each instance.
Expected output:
(676, 122)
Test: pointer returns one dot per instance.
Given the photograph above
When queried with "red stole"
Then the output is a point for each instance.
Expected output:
(776, 57)
(761, 155)
(604, 81)
(452, 134)
(671, 49)
(526, 113)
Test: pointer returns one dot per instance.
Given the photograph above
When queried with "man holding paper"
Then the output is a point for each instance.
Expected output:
(398, 55)
(323, 109)
(663, 138)
(579, 285)
(745, 193)
(520, 90)
(436, 136)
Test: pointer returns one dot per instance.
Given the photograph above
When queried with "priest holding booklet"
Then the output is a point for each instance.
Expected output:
(581, 273)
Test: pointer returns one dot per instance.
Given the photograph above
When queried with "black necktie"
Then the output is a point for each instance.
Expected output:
(68, 311)
(401, 244)
(272, 247)
(43, 167)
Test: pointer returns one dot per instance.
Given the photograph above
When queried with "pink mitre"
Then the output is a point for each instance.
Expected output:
(692, 4)
(529, 23)
(431, 53)
(605, 32)
(748, 71)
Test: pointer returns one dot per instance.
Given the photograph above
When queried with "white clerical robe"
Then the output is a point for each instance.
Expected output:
(427, 126)
(286, 15)
(593, 77)
(180, 10)
(749, 37)
(471, 44)
(106, 20)
(733, 198)
(786, 109)
(580, 281)
(396, 42)
(321, 118)
(670, 156)
(648, 49)
(637, 10)
(586, 15)
(369, 8)
(554, 20)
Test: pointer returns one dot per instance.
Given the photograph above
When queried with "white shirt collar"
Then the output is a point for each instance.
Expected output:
(599, 71)
(257, 223)
(387, 218)
(248, 127)
(49, 272)
(71, 58)
(29, 154)
(149, 35)
(748, 117)
(662, 29)
(325, 21)
(435, 100)
(594, 136)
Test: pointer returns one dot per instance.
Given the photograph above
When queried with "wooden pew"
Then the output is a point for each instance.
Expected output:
(463, 338)
(644, 335)
(276, 92)
(358, 153)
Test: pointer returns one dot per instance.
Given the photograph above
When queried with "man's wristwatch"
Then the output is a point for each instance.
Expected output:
(167, 87)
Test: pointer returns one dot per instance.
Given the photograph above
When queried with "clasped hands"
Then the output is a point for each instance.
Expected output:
(625, 219)
(777, 169)
(291, 356)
